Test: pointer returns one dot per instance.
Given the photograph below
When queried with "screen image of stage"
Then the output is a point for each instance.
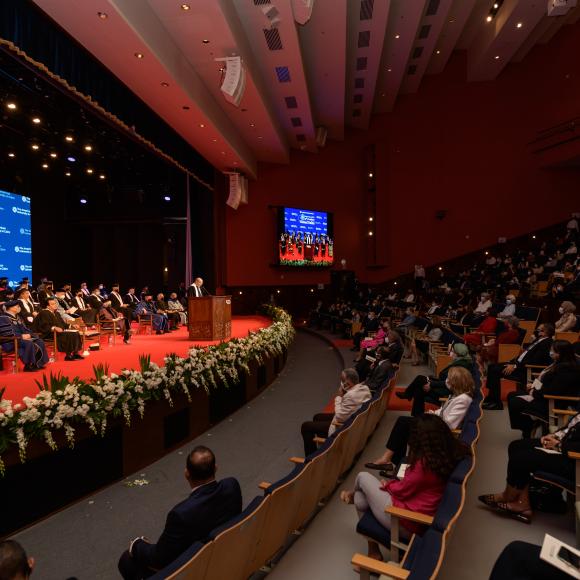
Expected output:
(305, 238)
(15, 237)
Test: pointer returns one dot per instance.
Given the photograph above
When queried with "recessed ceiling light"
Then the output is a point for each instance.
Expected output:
(397, 36)
(36, 147)
(371, 233)
(11, 155)
(53, 155)
(67, 173)
(102, 15)
(102, 176)
(496, 6)
(164, 84)
(214, 140)
(260, 137)
(252, 124)
(45, 166)
(519, 24)
(69, 138)
(437, 52)
(167, 198)
(11, 106)
(139, 55)
(36, 120)
(88, 147)
(201, 125)
(223, 152)
(370, 174)
(205, 41)
(185, 7)
(83, 200)
(496, 57)
(89, 171)
(489, 18)
(389, 70)
(371, 219)
(71, 159)
(185, 108)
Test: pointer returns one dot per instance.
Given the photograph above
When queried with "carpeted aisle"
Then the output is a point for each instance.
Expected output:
(121, 356)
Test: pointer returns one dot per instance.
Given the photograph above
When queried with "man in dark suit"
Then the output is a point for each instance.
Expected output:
(131, 300)
(380, 370)
(88, 314)
(537, 353)
(211, 504)
(95, 299)
(119, 305)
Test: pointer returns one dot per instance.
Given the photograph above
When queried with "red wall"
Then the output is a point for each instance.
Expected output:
(458, 146)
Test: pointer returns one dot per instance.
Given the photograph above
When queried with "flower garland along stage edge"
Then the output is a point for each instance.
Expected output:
(65, 403)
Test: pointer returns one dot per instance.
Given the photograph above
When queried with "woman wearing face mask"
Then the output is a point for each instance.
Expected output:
(561, 378)
(424, 389)
(460, 384)
(567, 320)
(510, 307)
(484, 304)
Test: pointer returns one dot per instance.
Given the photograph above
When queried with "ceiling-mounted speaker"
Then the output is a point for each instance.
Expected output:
(272, 15)
(302, 10)
(238, 190)
(234, 83)
(560, 7)
(321, 135)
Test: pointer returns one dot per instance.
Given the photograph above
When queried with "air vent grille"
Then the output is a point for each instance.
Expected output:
(366, 9)
(364, 38)
(291, 102)
(432, 8)
(261, 2)
(412, 69)
(300, 137)
(283, 74)
(272, 37)
(417, 52)
(425, 30)
(359, 83)
(296, 121)
(356, 112)
(361, 63)
(357, 98)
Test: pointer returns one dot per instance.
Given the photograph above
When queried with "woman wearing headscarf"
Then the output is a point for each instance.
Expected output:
(424, 389)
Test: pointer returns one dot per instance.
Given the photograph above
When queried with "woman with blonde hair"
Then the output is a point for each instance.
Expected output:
(460, 382)
(567, 320)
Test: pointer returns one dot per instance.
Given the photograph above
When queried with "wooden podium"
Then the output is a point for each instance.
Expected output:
(209, 317)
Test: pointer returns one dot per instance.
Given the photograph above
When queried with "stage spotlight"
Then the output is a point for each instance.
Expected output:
(167, 198)
(67, 173)
(102, 176)
(11, 155)
(53, 155)
(36, 147)
(69, 138)
(89, 171)
(88, 148)
(83, 200)
(11, 106)
(36, 120)
(45, 166)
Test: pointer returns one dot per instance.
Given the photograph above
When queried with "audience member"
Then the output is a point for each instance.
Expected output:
(14, 563)
(567, 320)
(433, 454)
(163, 308)
(509, 308)
(351, 395)
(146, 308)
(460, 383)
(380, 370)
(210, 504)
(511, 335)
(174, 305)
(537, 353)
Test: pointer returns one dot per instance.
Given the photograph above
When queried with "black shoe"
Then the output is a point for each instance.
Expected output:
(77, 356)
(30, 368)
(158, 332)
(492, 406)
(390, 472)
(126, 340)
(69, 357)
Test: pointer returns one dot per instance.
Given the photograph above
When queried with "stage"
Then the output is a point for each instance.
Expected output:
(121, 356)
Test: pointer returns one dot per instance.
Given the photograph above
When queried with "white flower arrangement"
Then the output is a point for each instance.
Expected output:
(63, 403)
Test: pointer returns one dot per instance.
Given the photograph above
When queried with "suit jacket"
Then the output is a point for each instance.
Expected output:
(454, 409)
(347, 404)
(131, 300)
(116, 300)
(26, 310)
(44, 322)
(95, 301)
(190, 521)
(379, 375)
(538, 353)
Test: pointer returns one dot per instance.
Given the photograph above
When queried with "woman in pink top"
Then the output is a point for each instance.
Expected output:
(433, 454)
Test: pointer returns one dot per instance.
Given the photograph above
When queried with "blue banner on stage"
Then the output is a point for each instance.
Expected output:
(15, 237)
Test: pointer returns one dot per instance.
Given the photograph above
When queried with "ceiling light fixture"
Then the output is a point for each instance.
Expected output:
(36, 120)
(102, 176)
(370, 233)
(36, 147)
(519, 24)
(11, 106)
(370, 174)
(205, 41)
(45, 166)
(53, 155)
(496, 57)
(202, 125)
(437, 52)
(67, 173)
(164, 84)
(69, 138)
(139, 55)
(102, 15)
(489, 18)
(11, 155)
(496, 6)
(371, 219)
(252, 124)
(88, 147)
(185, 7)
(167, 198)
(397, 36)
(71, 159)
(389, 70)
(89, 171)
(83, 200)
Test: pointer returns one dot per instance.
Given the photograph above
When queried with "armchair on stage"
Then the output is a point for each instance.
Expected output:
(209, 317)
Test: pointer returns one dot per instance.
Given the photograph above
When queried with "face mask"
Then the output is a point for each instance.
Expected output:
(561, 310)
(508, 302)
(553, 355)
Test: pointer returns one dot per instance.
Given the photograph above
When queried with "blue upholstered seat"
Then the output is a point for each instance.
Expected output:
(448, 507)
(178, 562)
(296, 471)
(461, 470)
(252, 506)
(371, 528)
(423, 557)
(468, 433)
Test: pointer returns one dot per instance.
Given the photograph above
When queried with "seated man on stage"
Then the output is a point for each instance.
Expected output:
(109, 316)
(49, 321)
(66, 311)
(163, 308)
(119, 305)
(27, 306)
(31, 349)
(210, 504)
(146, 307)
(176, 306)
(131, 300)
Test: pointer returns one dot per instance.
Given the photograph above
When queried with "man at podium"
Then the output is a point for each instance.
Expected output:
(197, 289)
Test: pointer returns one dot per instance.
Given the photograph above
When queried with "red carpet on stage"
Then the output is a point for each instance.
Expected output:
(121, 356)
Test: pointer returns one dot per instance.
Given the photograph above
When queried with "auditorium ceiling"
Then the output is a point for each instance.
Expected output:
(350, 60)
